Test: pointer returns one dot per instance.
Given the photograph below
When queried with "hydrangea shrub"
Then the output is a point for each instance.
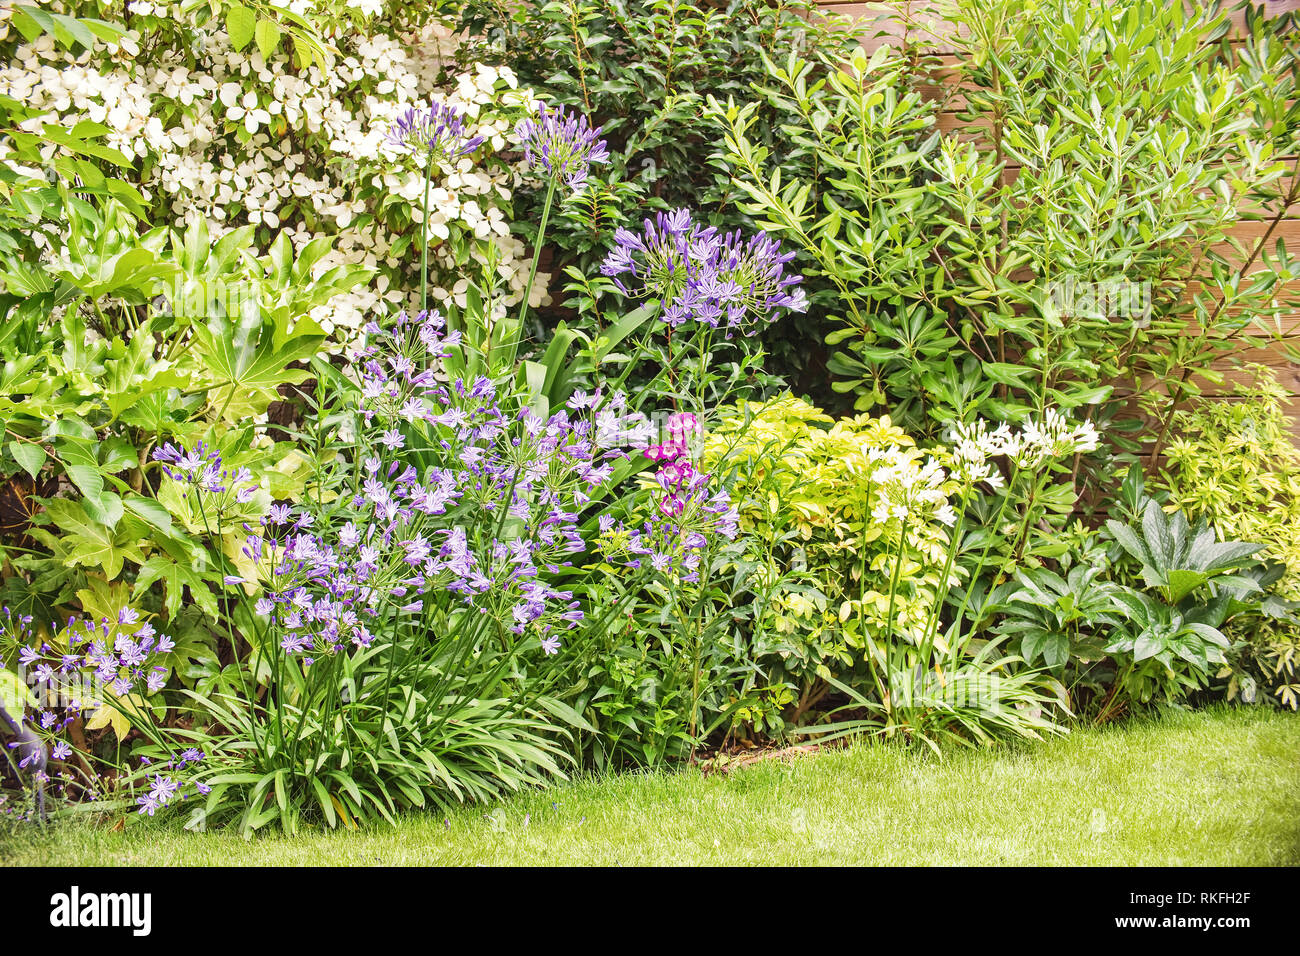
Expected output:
(238, 137)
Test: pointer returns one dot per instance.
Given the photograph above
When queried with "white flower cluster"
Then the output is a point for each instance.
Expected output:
(231, 137)
(905, 489)
(1037, 442)
(908, 491)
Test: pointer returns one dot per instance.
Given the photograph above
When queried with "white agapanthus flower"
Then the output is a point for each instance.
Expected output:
(975, 445)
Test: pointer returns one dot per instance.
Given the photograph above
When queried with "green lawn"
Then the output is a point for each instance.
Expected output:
(1216, 787)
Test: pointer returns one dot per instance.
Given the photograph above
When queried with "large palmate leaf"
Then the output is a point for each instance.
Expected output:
(90, 543)
(131, 372)
(15, 693)
(249, 361)
(1179, 558)
(118, 717)
(176, 576)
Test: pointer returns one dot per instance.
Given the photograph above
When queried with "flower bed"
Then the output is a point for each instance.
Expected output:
(323, 502)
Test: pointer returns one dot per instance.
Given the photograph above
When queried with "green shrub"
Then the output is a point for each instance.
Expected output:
(864, 540)
(642, 70)
(1144, 610)
(1095, 266)
(124, 338)
(1234, 463)
(803, 487)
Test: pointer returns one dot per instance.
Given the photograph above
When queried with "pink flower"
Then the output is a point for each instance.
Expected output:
(667, 451)
(682, 424)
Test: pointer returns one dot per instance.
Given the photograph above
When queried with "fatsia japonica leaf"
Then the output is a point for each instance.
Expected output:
(249, 361)
(131, 372)
(81, 464)
(176, 577)
(91, 543)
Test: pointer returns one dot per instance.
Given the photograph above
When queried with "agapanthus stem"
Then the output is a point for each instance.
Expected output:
(230, 633)
(931, 633)
(537, 256)
(628, 367)
(975, 572)
(424, 238)
(889, 619)
(672, 373)
(882, 686)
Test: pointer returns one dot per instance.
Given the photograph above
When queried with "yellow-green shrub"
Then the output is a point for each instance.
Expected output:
(807, 490)
(1236, 465)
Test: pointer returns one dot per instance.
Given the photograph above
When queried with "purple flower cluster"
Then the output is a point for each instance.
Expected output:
(676, 477)
(120, 655)
(165, 789)
(436, 131)
(491, 515)
(561, 145)
(681, 427)
(81, 667)
(687, 512)
(200, 468)
(701, 275)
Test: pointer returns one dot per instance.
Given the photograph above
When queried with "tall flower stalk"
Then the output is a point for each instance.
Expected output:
(690, 514)
(561, 147)
(434, 134)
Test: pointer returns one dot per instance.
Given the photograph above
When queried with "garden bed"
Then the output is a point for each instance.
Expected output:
(412, 405)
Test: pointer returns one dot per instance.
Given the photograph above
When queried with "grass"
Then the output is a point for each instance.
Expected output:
(1218, 787)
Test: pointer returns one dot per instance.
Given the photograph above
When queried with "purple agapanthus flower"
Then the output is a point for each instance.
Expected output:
(187, 465)
(435, 132)
(698, 274)
(561, 145)
(108, 657)
(200, 467)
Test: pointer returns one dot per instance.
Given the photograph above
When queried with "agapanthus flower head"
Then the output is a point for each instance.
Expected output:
(751, 284)
(1055, 436)
(1029, 447)
(699, 275)
(435, 132)
(187, 465)
(561, 145)
(200, 467)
